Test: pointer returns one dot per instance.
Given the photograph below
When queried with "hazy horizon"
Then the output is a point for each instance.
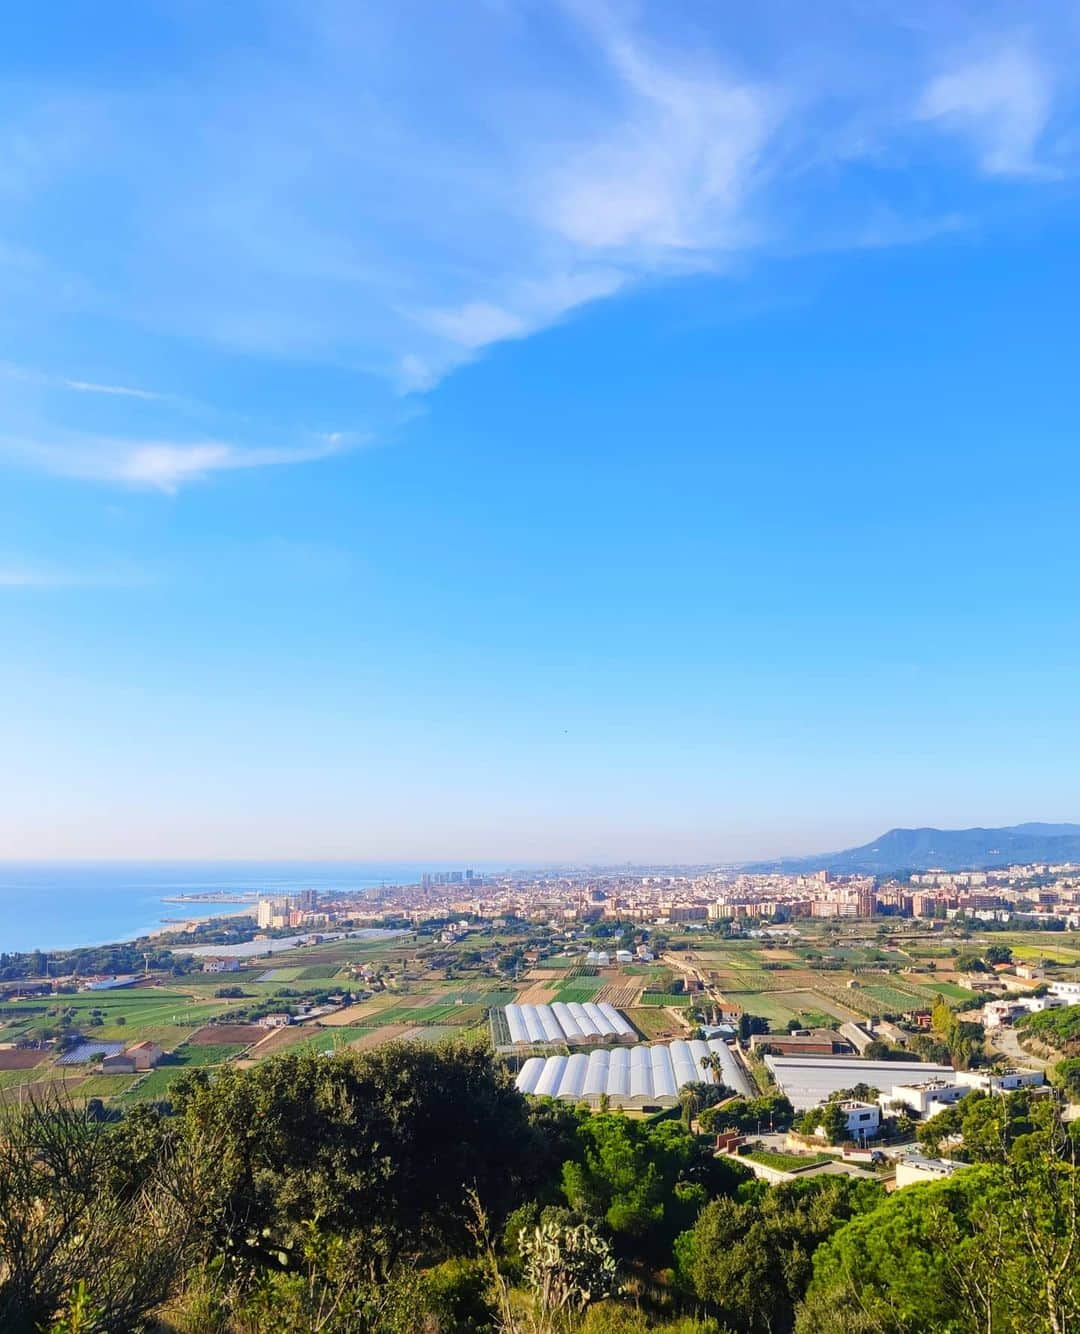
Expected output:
(570, 433)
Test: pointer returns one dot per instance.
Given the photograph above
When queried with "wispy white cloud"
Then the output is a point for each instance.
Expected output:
(114, 390)
(675, 166)
(1002, 102)
(27, 375)
(160, 465)
(18, 575)
(382, 212)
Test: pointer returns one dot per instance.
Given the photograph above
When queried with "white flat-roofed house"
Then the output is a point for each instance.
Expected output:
(863, 1118)
(916, 1170)
(1002, 1081)
(1001, 1013)
(925, 1098)
(1069, 990)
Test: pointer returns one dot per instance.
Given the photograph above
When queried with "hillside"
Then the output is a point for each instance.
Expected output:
(947, 849)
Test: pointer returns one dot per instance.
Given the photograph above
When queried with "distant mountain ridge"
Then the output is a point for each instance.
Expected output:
(942, 849)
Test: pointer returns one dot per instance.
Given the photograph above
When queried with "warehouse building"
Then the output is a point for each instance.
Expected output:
(633, 1077)
(574, 1023)
(810, 1080)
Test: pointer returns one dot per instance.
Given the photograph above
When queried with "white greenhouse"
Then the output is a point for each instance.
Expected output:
(633, 1076)
(573, 1023)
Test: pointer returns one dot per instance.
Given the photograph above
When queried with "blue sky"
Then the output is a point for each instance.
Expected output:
(520, 430)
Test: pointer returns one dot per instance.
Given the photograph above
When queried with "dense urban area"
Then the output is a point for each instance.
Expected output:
(612, 1101)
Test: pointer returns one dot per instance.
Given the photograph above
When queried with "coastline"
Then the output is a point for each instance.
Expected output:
(68, 906)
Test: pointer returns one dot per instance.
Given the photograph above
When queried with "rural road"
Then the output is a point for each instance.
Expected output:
(1006, 1042)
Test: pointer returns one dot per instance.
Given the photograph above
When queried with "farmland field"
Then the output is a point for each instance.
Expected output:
(654, 1023)
(578, 989)
(892, 998)
(105, 1086)
(676, 999)
(769, 1005)
(807, 1002)
(949, 990)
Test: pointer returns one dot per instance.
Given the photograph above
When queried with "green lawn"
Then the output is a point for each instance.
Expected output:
(786, 1162)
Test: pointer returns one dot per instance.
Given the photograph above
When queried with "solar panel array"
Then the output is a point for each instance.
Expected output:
(561, 1022)
(640, 1074)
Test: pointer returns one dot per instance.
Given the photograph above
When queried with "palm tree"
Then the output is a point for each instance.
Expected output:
(713, 1064)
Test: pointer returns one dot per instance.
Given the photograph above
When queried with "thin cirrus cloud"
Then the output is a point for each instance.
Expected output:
(1002, 103)
(16, 575)
(164, 466)
(27, 375)
(373, 209)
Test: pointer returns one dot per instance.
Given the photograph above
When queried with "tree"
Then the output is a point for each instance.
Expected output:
(991, 1248)
(70, 1242)
(627, 1176)
(381, 1144)
(749, 1260)
(1066, 1075)
(749, 1024)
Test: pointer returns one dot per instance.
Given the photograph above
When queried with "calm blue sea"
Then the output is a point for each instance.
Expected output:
(55, 906)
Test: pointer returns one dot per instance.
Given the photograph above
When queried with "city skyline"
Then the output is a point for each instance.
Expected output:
(535, 433)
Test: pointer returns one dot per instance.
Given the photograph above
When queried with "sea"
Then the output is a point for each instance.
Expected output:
(64, 905)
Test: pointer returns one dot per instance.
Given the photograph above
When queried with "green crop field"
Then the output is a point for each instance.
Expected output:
(664, 998)
(651, 1023)
(206, 1053)
(893, 999)
(439, 1033)
(152, 1086)
(330, 1039)
(496, 997)
(770, 1005)
(104, 1086)
(947, 989)
(810, 1002)
(578, 989)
